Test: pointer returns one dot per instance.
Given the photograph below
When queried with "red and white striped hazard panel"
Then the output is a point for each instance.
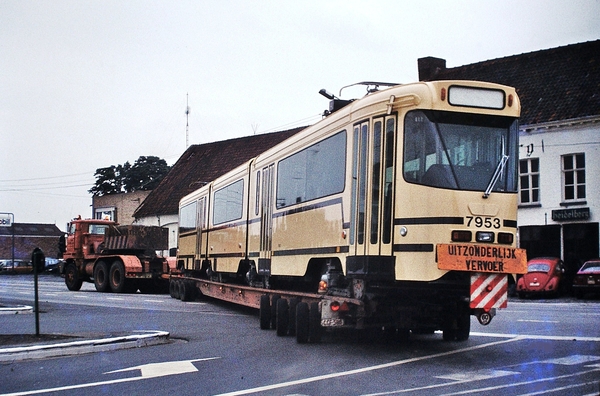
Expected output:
(489, 291)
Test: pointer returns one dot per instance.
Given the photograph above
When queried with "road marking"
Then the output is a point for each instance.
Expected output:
(154, 301)
(477, 375)
(363, 370)
(537, 321)
(572, 360)
(151, 370)
(537, 337)
(115, 298)
(515, 384)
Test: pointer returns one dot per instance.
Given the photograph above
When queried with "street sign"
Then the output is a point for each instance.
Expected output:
(5, 219)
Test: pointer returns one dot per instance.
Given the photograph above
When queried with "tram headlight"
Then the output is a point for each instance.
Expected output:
(484, 236)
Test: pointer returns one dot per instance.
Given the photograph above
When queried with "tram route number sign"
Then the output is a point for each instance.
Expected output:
(5, 220)
(481, 258)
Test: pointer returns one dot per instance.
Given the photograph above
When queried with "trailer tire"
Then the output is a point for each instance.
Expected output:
(274, 300)
(302, 323)
(72, 279)
(186, 291)
(172, 288)
(283, 317)
(292, 315)
(117, 277)
(264, 312)
(463, 324)
(315, 330)
(101, 277)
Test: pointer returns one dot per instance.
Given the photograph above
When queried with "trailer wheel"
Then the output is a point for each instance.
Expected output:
(173, 289)
(283, 317)
(463, 324)
(274, 311)
(117, 277)
(315, 330)
(265, 312)
(302, 323)
(186, 291)
(72, 279)
(292, 316)
(101, 277)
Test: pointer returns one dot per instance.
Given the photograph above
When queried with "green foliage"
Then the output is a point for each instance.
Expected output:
(145, 174)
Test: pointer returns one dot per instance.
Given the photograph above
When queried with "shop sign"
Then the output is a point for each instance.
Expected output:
(571, 214)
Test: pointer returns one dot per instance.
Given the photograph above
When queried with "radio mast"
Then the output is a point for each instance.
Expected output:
(187, 123)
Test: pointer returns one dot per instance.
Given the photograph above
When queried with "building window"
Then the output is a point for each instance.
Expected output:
(106, 214)
(573, 177)
(529, 179)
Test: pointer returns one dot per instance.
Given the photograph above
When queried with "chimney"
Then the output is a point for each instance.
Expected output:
(430, 67)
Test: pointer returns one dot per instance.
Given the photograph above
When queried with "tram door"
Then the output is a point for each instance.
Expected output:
(266, 221)
(201, 229)
(372, 187)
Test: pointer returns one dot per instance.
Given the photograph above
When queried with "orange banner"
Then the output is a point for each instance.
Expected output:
(481, 258)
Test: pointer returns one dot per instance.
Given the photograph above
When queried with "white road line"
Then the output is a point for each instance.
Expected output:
(537, 321)
(528, 382)
(362, 370)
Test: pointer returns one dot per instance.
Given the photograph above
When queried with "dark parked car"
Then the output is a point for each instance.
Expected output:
(18, 267)
(543, 277)
(587, 279)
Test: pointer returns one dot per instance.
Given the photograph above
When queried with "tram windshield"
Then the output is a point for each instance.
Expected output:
(460, 151)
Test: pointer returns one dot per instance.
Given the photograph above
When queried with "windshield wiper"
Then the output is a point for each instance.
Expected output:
(497, 174)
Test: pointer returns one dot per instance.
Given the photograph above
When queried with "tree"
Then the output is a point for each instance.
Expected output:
(145, 174)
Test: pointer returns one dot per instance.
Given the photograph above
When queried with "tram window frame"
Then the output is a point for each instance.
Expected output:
(228, 202)
(429, 158)
(188, 217)
(314, 172)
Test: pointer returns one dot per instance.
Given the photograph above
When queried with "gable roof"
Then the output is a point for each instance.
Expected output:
(555, 84)
(202, 163)
(28, 236)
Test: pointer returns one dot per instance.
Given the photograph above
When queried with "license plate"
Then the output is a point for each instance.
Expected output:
(332, 322)
(591, 282)
(534, 284)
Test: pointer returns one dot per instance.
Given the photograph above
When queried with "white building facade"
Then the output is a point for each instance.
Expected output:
(559, 190)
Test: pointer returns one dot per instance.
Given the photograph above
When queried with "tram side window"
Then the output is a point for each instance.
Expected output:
(315, 172)
(187, 217)
(228, 203)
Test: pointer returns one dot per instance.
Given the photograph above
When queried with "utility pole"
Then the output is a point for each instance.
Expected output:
(187, 123)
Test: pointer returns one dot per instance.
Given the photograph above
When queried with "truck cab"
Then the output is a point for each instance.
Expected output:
(85, 237)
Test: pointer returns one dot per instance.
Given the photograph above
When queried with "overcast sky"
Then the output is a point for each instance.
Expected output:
(89, 84)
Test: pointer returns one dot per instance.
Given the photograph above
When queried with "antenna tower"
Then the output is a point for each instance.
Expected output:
(187, 123)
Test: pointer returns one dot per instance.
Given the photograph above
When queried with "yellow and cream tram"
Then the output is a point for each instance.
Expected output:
(405, 199)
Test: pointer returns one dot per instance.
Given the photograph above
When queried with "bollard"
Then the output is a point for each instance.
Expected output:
(38, 261)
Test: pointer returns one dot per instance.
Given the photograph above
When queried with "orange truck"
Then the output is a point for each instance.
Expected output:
(115, 258)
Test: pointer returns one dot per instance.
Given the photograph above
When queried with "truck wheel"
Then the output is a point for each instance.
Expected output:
(315, 330)
(101, 277)
(264, 313)
(72, 279)
(117, 277)
(302, 323)
(283, 317)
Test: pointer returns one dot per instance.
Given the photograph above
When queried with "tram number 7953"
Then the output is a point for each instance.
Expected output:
(485, 222)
